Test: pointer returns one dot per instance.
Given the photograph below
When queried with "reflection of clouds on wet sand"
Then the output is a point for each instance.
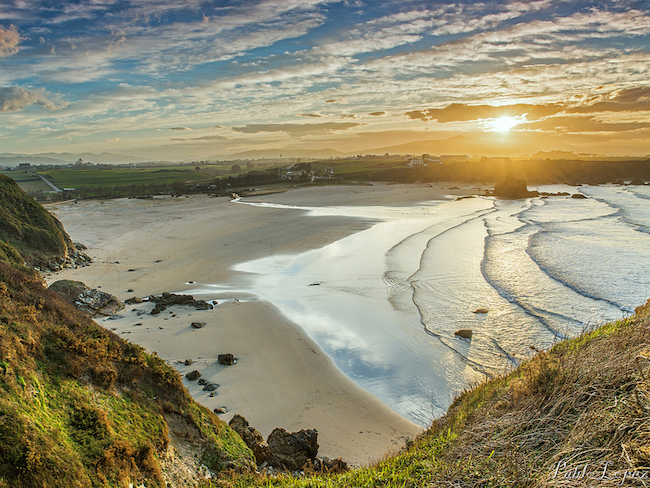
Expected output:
(385, 303)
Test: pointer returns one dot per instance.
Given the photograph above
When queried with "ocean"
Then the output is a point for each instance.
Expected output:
(385, 303)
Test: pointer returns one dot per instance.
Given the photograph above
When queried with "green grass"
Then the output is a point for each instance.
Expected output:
(92, 178)
(28, 182)
(344, 167)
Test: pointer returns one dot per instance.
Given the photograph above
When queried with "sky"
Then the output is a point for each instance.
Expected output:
(200, 79)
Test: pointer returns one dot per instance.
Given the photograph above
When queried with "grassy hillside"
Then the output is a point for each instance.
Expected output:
(27, 228)
(577, 415)
(80, 407)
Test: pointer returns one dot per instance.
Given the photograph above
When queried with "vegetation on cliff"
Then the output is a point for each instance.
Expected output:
(27, 231)
(78, 405)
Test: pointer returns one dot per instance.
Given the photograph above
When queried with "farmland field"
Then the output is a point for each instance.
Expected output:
(27, 181)
(92, 178)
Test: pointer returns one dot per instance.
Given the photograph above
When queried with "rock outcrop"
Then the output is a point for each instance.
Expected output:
(513, 188)
(170, 299)
(252, 438)
(92, 301)
(292, 450)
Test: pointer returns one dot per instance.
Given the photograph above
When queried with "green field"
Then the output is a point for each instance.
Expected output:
(27, 181)
(354, 166)
(93, 178)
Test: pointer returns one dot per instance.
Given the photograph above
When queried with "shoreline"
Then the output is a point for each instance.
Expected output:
(282, 378)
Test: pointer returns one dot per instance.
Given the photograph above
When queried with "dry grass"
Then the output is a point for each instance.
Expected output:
(581, 405)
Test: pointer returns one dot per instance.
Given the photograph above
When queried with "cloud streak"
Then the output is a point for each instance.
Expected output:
(297, 129)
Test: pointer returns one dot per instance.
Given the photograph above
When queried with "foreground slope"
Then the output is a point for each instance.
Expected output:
(577, 415)
(78, 405)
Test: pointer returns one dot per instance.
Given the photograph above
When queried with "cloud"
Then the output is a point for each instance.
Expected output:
(218, 127)
(460, 112)
(204, 138)
(113, 139)
(14, 98)
(49, 133)
(583, 124)
(9, 40)
(335, 100)
(314, 115)
(297, 129)
(180, 128)
(629, 100)
(377, 114)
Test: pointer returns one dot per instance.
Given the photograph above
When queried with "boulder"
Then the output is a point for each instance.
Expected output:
(227, 359)
(193, 375)
(220, 410)
(481, 310)
(188, 362)
(464, 333)
(292, 450)
(252, 438)
(198, 325)
(210, 386)
(578, 195)
(133, 300)
(89, 300)
(170, 299)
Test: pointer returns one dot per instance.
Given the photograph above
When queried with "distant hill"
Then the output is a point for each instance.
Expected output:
(10, 159)
(286, 153)
(491, 144)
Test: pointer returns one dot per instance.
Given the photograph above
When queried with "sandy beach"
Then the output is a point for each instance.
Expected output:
(281, 378)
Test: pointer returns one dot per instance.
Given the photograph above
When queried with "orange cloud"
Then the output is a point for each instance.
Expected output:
(460, 112)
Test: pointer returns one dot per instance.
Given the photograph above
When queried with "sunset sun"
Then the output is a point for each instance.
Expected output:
(504, 124)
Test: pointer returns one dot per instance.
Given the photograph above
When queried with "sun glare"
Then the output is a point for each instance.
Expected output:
(504, 124)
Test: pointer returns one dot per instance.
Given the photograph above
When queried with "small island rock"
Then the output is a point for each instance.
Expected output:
(464, 333)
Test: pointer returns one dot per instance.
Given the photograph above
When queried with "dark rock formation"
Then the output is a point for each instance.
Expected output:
(193, 375)
(210, 386)
(170, 299)
(292, 450)
(464, 333)
(227, 359)
(252, 438)
(220, 410)
(188, 362)
(326, 465)
(133, 300)
(513, 188)
(578, 195)
(198, 325)
(481, 310)
(90, 300)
